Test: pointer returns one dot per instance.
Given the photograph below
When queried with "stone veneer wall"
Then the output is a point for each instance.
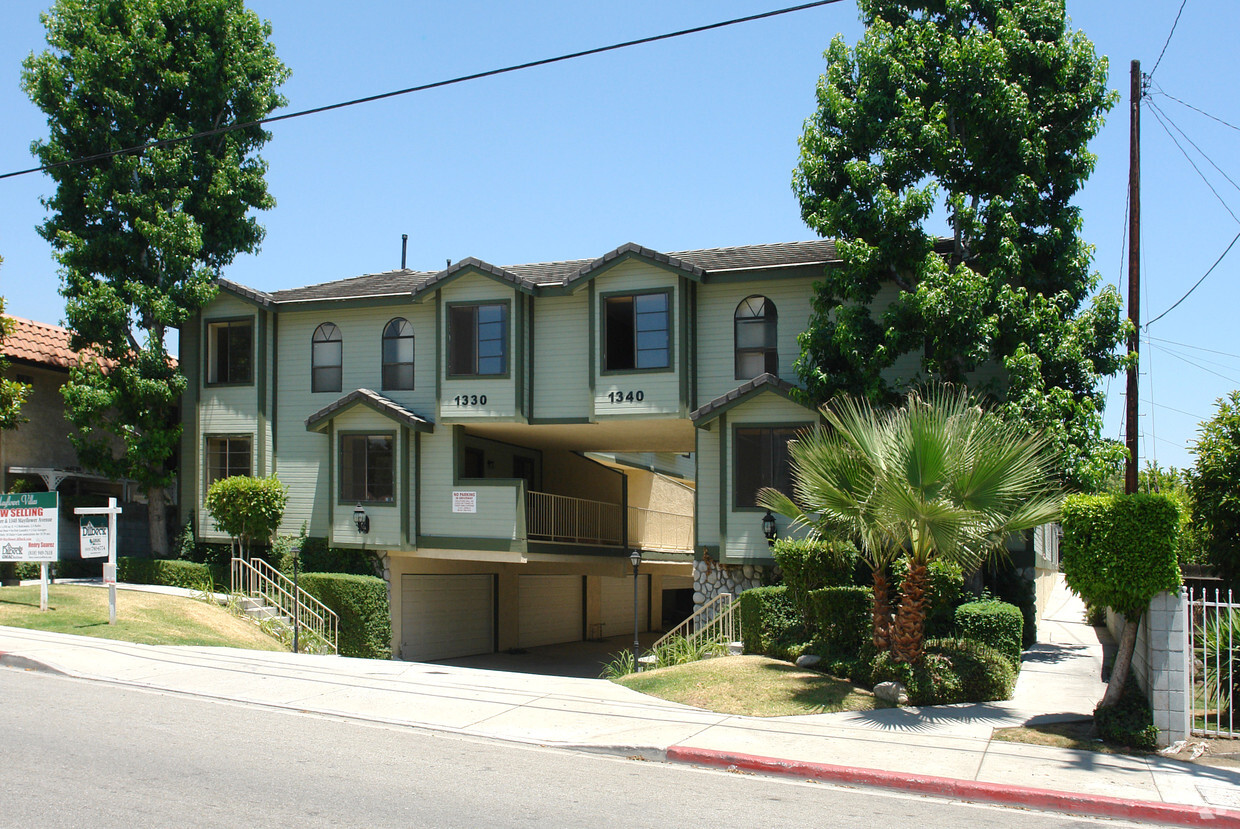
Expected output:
(710, 578)
(1159, 661)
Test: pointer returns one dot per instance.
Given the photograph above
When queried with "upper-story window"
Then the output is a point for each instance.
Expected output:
(756, 325)
(398, 355)
(326, 355)
(230, 351)
(636, 332)
(478, 339)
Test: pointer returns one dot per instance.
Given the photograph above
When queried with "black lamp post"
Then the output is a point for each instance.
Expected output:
(636, 558)
(361, 519)
(296, 597)
(768, 528)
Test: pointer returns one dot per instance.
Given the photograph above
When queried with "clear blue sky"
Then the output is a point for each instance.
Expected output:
(682, 144)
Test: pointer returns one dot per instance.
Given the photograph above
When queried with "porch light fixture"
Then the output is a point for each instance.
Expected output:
(636, 558)
(768, 528)
(361, 519)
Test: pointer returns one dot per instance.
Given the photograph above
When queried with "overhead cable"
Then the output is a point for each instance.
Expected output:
(141, 148)
(1168, 40)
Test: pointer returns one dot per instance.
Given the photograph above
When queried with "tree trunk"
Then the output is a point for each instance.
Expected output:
(1123, 661)
(881, 613)
(910, 624)
(157, 522)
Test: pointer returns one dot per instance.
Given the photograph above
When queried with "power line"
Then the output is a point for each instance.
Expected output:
(1195, 284)
(141, 148)
(1168, 40)
(1185, 136)
(1227, 366)
(1194, 347)
(1158, 117)
(1198, 365)
(1227, 124)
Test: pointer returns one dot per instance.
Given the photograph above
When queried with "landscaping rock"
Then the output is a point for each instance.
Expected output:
(808, 660)
(891, 692)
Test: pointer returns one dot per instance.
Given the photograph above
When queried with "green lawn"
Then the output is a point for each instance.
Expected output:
(753, 686)
(146, 618)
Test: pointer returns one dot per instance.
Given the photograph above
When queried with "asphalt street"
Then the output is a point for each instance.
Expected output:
(79, 753)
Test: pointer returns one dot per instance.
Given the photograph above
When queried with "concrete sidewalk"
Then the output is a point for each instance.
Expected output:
(892, 747)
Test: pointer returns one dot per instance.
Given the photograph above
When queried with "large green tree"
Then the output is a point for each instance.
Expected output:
(1214, 484)
(943, 157)
(12, 393)
(142, 236)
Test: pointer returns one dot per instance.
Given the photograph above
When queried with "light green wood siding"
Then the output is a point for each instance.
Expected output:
(561, 359)
(500, 392)
(497, 500)
(661, 389)
(708, 484)
(716, 330)
(743, 538)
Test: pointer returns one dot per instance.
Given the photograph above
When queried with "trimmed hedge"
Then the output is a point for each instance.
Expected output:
(318, 557)
(165, 571)
(363, 607)
(842, 617)
(997, 624)
(952, 671)
(771, 623)
(1118, 551)
(811, 565)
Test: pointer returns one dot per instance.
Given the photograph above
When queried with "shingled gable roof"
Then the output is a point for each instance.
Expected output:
(758, 385)
(540, 275)
(632, 250)
(376, 401)
(259, 298)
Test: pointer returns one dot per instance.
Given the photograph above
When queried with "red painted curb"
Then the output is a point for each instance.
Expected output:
(1097, 805)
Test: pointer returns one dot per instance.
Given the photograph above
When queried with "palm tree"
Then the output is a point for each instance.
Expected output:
(935, 478)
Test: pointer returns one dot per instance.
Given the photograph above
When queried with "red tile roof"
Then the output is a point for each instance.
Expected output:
(39, 343)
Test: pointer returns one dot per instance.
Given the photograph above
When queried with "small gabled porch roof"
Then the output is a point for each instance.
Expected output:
(318, 421)
(762, 384)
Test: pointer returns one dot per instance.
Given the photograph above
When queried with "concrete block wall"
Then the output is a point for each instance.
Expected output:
(1160, 662)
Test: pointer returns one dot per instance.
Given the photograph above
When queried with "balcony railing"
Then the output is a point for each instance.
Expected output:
(565, 520)
(562, 519)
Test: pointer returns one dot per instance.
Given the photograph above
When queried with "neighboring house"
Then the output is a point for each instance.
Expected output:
(38, 455)
(510, 434)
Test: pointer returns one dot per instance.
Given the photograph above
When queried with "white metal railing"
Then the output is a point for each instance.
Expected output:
(716, 623)
(256, 578)
(566, 520)
(1214, 657)
(652, 529)
(1046, 544)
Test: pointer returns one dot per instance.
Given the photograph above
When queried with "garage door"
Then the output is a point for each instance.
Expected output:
(446, 616)
(550, 610)
(617, 601)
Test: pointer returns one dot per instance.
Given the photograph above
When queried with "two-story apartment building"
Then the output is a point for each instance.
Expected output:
(504, 437)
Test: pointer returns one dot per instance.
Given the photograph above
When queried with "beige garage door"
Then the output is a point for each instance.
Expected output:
(617, 601)
(446, 616)
(550, 610)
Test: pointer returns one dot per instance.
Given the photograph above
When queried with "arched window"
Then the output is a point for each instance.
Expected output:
(756, 324)
(398, 355)
(326, 351)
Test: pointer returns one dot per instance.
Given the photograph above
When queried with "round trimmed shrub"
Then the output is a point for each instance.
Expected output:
(994, 623)
(842, 617)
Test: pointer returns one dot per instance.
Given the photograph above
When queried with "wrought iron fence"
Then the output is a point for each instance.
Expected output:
(1213, 656)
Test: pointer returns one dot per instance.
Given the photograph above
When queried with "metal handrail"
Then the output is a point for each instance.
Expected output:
(567, 520)
(715, 621)
(255, 577)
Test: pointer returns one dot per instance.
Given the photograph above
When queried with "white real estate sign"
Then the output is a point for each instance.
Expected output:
(94, 536)
(28, 526)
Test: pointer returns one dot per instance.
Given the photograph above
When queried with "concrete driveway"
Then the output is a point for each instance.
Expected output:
(577, 659)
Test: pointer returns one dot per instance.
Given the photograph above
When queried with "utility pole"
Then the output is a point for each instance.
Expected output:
(1134, 270)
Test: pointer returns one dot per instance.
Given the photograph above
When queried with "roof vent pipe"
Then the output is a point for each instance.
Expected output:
(404, 247)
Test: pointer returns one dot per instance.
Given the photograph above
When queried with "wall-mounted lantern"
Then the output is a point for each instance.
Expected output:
(361, 519)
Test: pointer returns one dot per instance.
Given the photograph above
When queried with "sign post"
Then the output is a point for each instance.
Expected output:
(99, 540)
(28, 531)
